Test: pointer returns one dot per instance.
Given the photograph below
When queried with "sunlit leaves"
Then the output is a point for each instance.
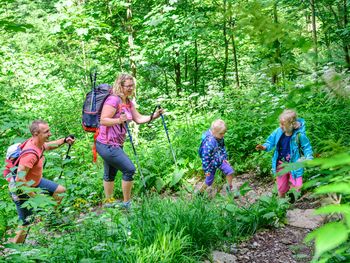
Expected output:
(55, 29)
(334, 161)
(177, 175)
(328, 237)
(341, 188)
(329, 209)
(107, 36)
(82, 31)
(159, 184)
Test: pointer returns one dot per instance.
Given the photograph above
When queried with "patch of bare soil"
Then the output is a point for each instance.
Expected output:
(285, 244)
(257, 185)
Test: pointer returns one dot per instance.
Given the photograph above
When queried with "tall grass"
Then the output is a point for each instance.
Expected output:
(156, 230)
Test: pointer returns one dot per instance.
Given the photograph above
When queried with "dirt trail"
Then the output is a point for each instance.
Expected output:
(285, 244)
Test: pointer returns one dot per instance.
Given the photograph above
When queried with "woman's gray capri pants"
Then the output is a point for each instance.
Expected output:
(115, 159)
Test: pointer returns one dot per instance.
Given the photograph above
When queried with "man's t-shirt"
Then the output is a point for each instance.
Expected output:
(115, 135)
(30, 160)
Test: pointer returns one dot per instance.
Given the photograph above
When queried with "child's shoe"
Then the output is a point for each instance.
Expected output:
(229, 189)
(199, 189)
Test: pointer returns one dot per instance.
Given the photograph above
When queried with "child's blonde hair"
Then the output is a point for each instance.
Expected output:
(290, 119)
(219, 125)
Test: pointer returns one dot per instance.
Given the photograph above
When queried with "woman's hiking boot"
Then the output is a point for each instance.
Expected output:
(125, 205)
(110, 202)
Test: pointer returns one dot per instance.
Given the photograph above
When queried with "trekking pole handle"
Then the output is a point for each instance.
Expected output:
(69, 136)
(91, 80)
(95, 76)
(126, 126)
(151, 117)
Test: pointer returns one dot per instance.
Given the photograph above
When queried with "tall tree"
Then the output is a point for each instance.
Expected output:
(334, 17)
(234, 49)
(226, 44)
(314, 30)
(131, 37)
(277, 47)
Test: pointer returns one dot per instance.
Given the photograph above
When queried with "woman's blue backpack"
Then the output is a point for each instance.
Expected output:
(93, 104)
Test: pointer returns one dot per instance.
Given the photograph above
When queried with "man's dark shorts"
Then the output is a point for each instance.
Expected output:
(24, 213)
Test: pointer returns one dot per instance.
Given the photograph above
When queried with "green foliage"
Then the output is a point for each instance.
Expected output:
(180, 50)
(332, 239)
(328, 237)
(157, 229)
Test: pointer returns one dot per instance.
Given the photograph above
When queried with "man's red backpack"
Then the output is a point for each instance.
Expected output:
(13, 155)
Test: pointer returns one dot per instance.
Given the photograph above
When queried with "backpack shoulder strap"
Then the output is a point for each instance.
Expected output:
(204, 139)
(119, 100)
(299, 143)
(26, 151)
(23, 144)
(122, 105)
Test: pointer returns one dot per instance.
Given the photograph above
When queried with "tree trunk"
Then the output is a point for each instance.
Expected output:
(166, 83)
(234, 50)
(131, 38)
(235, 60)
(84, 60)
(186, 66)
(277, 48)
(346, 46)
(177, 68)
(134, 128)
(314, 31)
(340, 26)
(224, 73)
(196, 66)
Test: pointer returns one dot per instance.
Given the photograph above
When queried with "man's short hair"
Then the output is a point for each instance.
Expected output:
(34, 127)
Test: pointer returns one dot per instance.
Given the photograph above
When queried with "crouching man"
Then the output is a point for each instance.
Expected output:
(30, 169)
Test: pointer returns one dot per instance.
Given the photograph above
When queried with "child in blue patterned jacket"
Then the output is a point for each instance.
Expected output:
(213, 154)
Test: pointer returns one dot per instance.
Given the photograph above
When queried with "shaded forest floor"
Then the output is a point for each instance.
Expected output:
(284, 244)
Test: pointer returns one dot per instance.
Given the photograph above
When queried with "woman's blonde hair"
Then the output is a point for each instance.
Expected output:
(290, 119)
(219, 125)
(119, 83)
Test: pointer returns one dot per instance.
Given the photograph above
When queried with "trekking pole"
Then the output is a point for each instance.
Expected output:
(135, 154)
(93, 77)
(27, 232)
(67, 154)
(167, 134)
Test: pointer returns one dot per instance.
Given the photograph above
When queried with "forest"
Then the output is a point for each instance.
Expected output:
(240, 61)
